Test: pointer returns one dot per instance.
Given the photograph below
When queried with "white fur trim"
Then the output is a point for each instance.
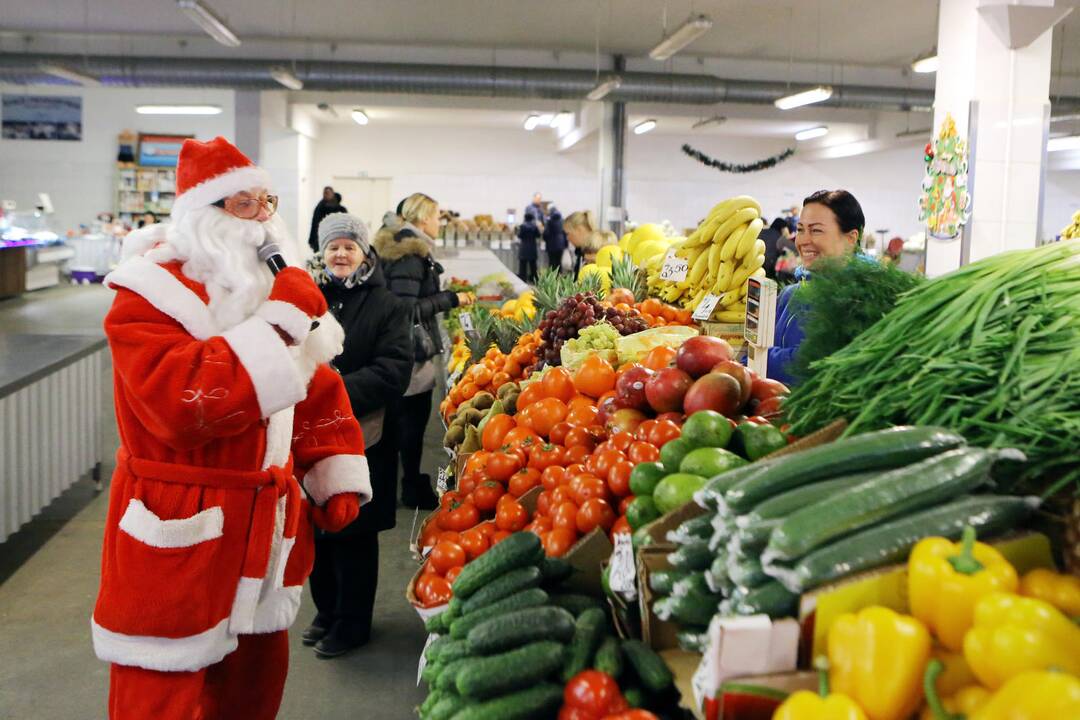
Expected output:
(274, 373)
(323, 344)
(278, 611)
(279, 432)
(222, 186)
(141, 523)
(242, 617)
(286, 316)
(185, 654)
(165, 292)
(338, 474)
(138, 242)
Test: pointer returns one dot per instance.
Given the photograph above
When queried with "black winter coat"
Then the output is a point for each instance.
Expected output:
(554, 234)
(321, 210)
(413, 275)
(528, 234)
(375, 364)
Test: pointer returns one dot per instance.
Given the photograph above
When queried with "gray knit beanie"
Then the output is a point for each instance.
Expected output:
(343, 225)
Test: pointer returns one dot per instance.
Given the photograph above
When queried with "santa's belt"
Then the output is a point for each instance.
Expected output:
(270, 484)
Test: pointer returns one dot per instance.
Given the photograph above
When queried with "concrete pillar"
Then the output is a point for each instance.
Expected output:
(247, 120)
(994, 79)
(610, 160)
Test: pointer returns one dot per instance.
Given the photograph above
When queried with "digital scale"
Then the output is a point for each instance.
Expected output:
(760, 323)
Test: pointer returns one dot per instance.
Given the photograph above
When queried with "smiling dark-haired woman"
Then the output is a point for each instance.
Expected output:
(831, 225)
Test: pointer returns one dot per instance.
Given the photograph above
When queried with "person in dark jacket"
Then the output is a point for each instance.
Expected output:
(330, 203)
(554, 238)
(772, 237)
(375, 364)
(528, 233)
(406, 247)
(536, 207)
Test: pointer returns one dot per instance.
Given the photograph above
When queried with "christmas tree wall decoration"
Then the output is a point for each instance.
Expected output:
(945, 203)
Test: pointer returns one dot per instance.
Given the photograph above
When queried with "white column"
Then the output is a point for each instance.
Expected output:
(996, 56)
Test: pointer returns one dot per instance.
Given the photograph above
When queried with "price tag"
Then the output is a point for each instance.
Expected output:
(706, 680)
(705, 308)
(674, 268)
(622, 574)
(466, 322)
(440, 483)
(423, 659)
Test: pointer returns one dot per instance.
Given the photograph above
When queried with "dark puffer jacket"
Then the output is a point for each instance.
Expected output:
(413, 275)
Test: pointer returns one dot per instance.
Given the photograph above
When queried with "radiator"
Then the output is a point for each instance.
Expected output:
(51, 434)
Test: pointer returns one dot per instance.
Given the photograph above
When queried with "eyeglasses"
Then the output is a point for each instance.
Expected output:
(247, 207)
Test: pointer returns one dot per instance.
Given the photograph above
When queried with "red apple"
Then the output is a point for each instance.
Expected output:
(740, 372)
(605, 410)
(625, 420)
(701, 353)
(666, 388)
(770, 408)
(764, 388)
(715, 391)
(676, 417)
(630, 387)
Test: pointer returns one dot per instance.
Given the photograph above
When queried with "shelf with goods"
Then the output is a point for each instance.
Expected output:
(666, 477)
(141, 190)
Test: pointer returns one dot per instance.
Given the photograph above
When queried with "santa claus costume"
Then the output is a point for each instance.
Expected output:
(225, 405)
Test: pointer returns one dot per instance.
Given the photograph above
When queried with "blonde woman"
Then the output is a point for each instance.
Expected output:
(580, 227)
(405, 245)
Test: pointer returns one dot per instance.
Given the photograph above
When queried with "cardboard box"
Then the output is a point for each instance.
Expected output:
(586, 557)
(659, 528)
(682, 665)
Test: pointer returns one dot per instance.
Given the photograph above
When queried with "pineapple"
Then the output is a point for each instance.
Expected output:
(591, 282)
(550, 290)
(624, 274)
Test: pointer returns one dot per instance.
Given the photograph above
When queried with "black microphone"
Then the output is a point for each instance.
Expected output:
(270, 253)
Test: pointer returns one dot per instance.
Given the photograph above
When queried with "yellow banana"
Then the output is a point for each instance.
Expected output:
(729, 316)
(726, 207)
(705, 231)
(714, 263)
(754, 261)
(739, 279)
(698, 269)
(748, 238)
(730, 297)
(727, 270)
(740, 218)
(759, 248)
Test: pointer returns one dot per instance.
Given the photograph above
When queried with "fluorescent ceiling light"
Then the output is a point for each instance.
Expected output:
(67, 73)
(807, 97)
(714, 120)
(928, 64)
(287, 77)
(601, 91)
(694, 28)
(1065, 142)
(546, 119)
(644, 126)
(178, 109)
(359, 117)
(208, 20)
(532, 122)
(811, 133)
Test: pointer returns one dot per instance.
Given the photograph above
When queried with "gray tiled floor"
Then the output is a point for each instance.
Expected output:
(49, 572)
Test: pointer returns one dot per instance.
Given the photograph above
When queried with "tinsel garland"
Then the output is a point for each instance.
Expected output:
(734, 167)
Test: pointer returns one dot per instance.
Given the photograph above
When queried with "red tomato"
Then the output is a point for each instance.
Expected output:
(501, 465)
(539, 526)
(579, 437)
(476, 461)
(559, 432)
(582, 415)
(763, 388)
(558, 541)
(618, 478)
(643, 430)
(446, 555)
(604, 461)
(559, 383)
(663, 432)
(452, 573)
(564, 516)
(575, 469)
(559, 495)
(590, 487)
(468, 484)
(544, 456)
(486, 495)
(598, 432)
(542, 415)
(495, 431)
(635, 714)
(543, 503)
(621, 441)
(460, 518)
(594, 692)
(578, 454)
(552, 476)
(523, 481)
(770, 408)
(449, 536)
(621, 526)
(511, 516)
(530, 394)
(569, 713)
(499, 536)
(641, 452)
(521, 437)
(475, 543)
(449, 498)
(433, 590)
(487, 527)
(625, 503)
(595, 513)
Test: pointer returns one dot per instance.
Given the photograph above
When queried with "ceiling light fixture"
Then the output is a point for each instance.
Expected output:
(714, 120)
(607, 86)
(67, 73)
(208, 20)
(562, 118)
(1065, 142)
(691, 30)
(644, 126)
(818, 94)
(286, 77)
(359, 117)
(546, 120)
(811, 133)
(926, 64)
(532, 122)
(178, 109)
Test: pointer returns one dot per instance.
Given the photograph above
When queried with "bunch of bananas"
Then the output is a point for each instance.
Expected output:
(1073, 231)
(459, 356)
(721, 254)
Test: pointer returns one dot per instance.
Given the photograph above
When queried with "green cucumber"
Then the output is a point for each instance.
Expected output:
(691, 582)
(649, 666)
(432, 699)
(892, 541)
(722, 526)
(508, 672)
(661, 582)
(533, 597)
(635, 697)
(693, 638)
(694, 607)
(891, 494)
(520, 628)
(753, 539)
(512, 582)
(782, 505)
(519, 550)
(588, 631)
(696, 528)
(772, 599)
(747, 573)
(541, 701)
(448, 676)
(609, 657)
(437, 624)
(712, 494)
(691, 557)
(431, 672)
(454, 650)
(555, 570)
(448, 707)
(574, 603)
(436, 646)
(716, 577)
(884, 449)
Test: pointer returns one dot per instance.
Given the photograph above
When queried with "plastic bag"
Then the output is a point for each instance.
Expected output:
(632, 348)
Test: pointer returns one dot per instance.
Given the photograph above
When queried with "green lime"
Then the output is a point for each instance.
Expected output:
(641, 511)
(707, 428)
(673, 452)
(640, 538)
(644, 476)
(710, 461)
(676, 490)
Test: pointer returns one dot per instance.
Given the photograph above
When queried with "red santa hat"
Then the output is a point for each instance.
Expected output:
(209, 171)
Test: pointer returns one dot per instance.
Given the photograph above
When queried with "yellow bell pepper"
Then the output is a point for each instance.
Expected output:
(946, 579)
(956, 705)
(1061, 591)
(1034, 696)
(805, 705)
(877, 658)
(956, 675)
(1014, 634)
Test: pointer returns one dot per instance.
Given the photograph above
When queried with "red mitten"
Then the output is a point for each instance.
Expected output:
(340, 510)
(294, 301)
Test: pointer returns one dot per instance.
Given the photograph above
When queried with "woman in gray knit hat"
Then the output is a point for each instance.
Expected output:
(375, 364)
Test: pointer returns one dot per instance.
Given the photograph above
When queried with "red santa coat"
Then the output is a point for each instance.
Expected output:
(208, 533)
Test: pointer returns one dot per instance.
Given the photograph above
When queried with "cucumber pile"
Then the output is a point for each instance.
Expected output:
(510, 640)
(785, 526)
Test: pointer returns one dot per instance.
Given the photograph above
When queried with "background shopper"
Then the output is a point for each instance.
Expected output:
(580, 228)
(405, 244)
(375, 364)
(330, 203)
(555, 238)
(529, 235)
